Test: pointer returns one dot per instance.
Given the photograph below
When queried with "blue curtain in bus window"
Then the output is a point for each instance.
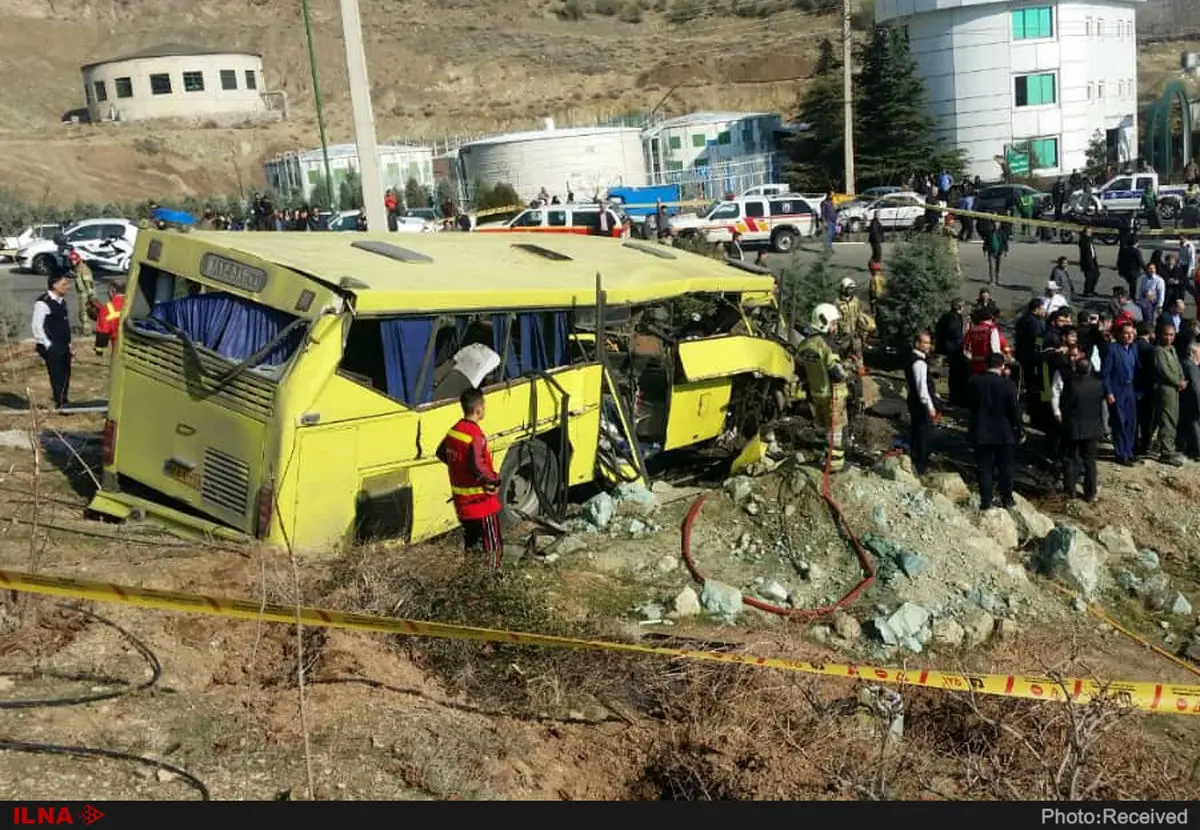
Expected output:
(500, 336)
(404, 346)
(233, 327)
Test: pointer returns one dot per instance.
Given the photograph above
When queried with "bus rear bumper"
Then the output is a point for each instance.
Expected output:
(124, 507)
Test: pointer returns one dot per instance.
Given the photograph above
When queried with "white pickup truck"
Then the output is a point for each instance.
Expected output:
(1123, 194)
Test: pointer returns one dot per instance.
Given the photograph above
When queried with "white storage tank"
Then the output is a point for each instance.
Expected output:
(585, 161)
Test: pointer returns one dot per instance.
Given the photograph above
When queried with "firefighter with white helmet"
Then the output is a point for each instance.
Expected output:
(826, 381)
(856, 323)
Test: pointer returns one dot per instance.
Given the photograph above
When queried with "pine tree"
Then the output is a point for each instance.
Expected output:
(816, 154)
(922, 278)
(1096, 159)
(896, 135)
(802, 288)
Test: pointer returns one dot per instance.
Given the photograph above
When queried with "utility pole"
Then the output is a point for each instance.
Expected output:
(312, 68)
(848, 93)
(364, 117)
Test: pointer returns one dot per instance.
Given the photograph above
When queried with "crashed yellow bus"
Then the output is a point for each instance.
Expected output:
(294, 387)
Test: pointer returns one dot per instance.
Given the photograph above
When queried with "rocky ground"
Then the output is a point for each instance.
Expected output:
(396, 718)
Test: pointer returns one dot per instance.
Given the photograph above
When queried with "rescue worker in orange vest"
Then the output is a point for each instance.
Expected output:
(474, 484)
(108, 316)
(983, 339)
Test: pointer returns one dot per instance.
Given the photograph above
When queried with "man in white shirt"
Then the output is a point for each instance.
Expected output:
(52, 332)
(1152, 282)
(922, 402)
(1054, 298)
(1187, 256)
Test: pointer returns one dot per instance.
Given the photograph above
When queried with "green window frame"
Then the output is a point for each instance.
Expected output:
(1035, 90)
(724, 138)
(699, 140)
(1044, 152)
(675, 142)
(1034, 23)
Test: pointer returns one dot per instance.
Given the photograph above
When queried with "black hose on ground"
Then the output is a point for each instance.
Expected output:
(78, 700)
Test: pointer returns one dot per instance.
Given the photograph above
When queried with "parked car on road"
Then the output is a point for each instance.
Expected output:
(1002, 198)
(43, 256)
(900, 210)
(779, 221)
(9, 245)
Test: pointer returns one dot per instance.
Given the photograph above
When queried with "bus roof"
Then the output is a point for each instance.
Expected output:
(455, 271)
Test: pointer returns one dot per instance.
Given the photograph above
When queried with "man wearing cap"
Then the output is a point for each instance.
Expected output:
(1054, 298)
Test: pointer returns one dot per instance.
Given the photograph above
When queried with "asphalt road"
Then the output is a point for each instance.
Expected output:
(25, 288)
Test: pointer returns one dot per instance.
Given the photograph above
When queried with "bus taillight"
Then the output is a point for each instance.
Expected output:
(109, 442)
(266, 509)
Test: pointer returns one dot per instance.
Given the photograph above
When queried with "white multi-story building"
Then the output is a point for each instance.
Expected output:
(300, 173)
(1028, 81)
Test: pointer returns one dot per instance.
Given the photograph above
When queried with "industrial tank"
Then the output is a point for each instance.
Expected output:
(585, 161)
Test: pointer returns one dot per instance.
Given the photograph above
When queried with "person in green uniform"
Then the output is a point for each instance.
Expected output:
(1025, 208)
(826, 380)
(1168, 383)
(1150, 207)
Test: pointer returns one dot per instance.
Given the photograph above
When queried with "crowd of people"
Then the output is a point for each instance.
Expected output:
(1125, 372)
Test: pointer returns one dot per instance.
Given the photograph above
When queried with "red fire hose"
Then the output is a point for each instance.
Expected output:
(864, 559)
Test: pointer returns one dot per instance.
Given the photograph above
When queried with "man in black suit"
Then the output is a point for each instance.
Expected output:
(922, 402)
(995, 431)
(1082, 406)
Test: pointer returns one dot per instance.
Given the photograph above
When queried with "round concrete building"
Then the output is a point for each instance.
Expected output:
(174, 81)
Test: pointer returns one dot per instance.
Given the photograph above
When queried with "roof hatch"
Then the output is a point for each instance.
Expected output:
(391, 251)
(659, 251)
(545, 253)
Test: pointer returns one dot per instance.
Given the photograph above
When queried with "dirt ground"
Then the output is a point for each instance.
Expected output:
(409, 718)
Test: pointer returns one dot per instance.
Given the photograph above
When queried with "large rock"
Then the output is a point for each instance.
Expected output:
(740, 489)
(1001, 527)
(1180, 605)
(1156, 592)
(898, 468)
(721, 600)
(636, 499)
(1031, 522)
(950, 485)
(947, 632)
(566, 545)
(984, 550)
(846, 626)
(686, 603)
(1068, 555)
(1118, 541)
(909, 620)
(599, 510)
(978, 626)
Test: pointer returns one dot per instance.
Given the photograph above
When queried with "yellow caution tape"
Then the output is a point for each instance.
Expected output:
(1048, 223)
(1151, 697)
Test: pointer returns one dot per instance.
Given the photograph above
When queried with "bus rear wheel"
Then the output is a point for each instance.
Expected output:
(529, 476)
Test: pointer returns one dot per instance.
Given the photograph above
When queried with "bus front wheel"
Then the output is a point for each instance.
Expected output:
(529, 477)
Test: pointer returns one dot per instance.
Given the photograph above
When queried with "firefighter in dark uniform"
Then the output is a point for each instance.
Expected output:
(474, 484)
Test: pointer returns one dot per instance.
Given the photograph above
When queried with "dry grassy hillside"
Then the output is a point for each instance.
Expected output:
(441, 68)
(447, 67)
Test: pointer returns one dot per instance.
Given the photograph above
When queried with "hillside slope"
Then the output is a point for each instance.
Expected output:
(437, 69)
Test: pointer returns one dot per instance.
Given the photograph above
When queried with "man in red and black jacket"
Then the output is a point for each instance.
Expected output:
(474, 484)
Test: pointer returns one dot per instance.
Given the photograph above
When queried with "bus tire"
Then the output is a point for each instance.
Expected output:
(529, 467)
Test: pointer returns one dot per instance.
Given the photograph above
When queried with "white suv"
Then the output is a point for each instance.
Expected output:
(11, 244)
(41, 255)
(779, 221)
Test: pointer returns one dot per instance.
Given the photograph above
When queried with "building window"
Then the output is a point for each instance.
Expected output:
(1035, 90)
(160, 84)
(1091, 91)
(699, 140)
(101, 92)
(1034, 23)
(228, 79)
(193, 81)
(251, 81)
(124, 87)
(1099, 27)
(724, 138)
(1100, 91)
(1044, 153)
(1087, 27)
(674, 142)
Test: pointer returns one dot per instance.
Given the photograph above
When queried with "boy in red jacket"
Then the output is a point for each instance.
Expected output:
(474, 484)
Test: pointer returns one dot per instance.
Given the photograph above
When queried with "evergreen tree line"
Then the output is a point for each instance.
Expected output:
(894, 126)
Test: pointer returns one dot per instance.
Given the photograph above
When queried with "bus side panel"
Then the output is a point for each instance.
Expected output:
(325, 489)
(697, 412)
(726, 356)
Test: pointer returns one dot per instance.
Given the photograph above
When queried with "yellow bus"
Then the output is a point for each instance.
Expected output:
(293, 387)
